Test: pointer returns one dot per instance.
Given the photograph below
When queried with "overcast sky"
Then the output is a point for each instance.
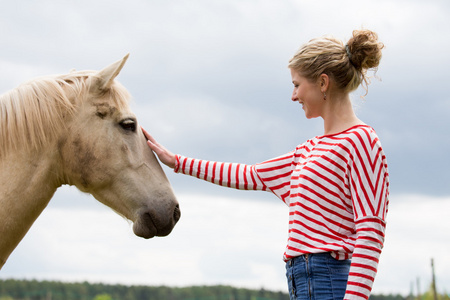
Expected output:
(210, 80)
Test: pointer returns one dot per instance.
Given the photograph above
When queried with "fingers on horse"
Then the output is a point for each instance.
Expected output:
(149, 137)
(155, 147)
(151, 145)
(146, 134)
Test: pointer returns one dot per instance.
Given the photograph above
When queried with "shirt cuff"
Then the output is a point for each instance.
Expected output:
(177, 163)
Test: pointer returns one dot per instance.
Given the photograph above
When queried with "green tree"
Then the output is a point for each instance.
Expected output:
(103, 297)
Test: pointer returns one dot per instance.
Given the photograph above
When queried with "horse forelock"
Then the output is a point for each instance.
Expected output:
(32, 114)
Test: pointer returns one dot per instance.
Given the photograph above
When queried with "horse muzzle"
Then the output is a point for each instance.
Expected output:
(152, 222)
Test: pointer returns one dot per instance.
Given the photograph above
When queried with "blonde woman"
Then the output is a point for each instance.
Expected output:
(336, 185)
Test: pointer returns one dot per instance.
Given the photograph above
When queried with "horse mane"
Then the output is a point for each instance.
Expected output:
(32, 114)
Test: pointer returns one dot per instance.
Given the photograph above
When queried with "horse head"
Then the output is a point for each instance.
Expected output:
(104, 152)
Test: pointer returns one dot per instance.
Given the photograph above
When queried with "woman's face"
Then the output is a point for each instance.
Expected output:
(308, 94)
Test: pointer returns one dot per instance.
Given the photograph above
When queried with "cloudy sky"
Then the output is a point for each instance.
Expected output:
(209, 80)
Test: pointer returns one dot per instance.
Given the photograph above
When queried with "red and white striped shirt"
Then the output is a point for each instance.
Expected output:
(337, 189)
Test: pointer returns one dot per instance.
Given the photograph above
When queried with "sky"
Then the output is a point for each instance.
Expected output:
(209, 79)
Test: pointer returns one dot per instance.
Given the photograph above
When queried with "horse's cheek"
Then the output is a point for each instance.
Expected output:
(77, 161)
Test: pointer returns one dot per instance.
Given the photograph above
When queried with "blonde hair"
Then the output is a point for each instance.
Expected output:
(346, 65)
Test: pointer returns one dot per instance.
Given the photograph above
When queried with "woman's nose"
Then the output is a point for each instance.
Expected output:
(294, 96)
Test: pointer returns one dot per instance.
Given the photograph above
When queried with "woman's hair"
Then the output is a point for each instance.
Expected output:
(346, 65)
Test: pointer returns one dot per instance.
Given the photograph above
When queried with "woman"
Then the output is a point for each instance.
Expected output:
(335, 185)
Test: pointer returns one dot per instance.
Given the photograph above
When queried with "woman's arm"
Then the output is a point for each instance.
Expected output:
(271, 175)
(369, 184)
(232, 175)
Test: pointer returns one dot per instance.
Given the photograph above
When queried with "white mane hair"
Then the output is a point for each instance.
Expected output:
(32, 113)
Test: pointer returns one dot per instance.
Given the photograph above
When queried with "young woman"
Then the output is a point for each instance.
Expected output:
(335, 185)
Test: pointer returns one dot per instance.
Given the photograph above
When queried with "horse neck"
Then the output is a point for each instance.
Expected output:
(27, 183)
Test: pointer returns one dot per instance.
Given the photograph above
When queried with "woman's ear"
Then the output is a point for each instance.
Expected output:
(324, 82)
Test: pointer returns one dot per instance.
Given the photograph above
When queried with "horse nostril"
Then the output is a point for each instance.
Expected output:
(176, 213)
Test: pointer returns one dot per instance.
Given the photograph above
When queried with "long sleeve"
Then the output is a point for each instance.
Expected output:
(369, 189)
(232, 175)
(271, 175)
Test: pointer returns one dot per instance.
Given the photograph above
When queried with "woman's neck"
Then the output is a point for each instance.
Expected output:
(339, 115)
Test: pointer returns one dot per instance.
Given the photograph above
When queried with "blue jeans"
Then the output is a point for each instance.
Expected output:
(317, 277)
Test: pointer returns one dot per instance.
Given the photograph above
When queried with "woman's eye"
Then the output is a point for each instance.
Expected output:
(129, 125)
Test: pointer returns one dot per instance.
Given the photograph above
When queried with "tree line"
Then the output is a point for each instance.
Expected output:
(12, 289)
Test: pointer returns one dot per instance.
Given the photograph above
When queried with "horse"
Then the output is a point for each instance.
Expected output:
(77, 129)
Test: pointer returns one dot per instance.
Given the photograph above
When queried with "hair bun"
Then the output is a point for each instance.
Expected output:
(364, 49)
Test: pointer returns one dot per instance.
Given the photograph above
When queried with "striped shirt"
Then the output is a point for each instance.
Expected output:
(336, 187)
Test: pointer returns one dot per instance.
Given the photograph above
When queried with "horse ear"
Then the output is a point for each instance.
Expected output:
(107, 75)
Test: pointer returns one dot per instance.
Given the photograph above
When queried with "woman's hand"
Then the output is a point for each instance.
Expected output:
(164, 155)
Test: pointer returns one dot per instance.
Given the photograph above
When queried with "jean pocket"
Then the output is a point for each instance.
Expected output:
(341, 267)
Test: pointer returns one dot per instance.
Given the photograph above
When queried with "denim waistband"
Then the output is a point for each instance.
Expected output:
(306, 256)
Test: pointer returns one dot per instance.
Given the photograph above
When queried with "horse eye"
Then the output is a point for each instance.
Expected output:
(129, 125)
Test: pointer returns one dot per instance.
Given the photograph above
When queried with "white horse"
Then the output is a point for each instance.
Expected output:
(78, 129)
